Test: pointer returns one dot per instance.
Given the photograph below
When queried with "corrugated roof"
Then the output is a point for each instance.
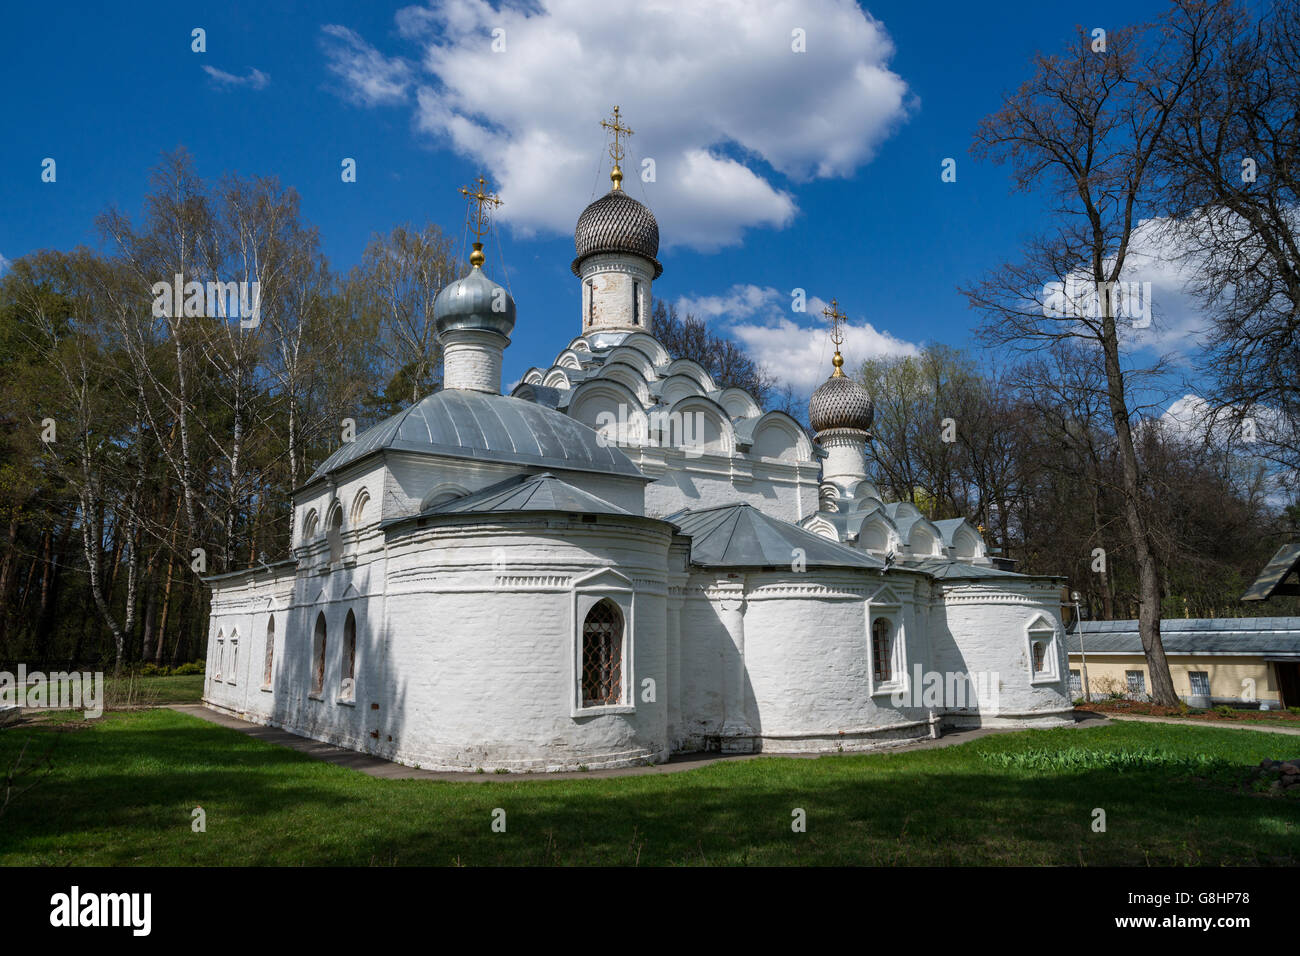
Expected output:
(741, 536)
(1275, 572)
(465, 424)
(1272, 636)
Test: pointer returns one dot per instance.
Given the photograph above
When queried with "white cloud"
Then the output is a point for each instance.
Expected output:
(255, 80)
(369, 78)
(713, 90)
(4, 264)
(798, 352)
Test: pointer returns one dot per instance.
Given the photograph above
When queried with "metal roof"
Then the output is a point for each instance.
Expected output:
(956, 571)
(741, 536)
(1274, 636)
(1275, 572)
(542, 492)
(460, 423)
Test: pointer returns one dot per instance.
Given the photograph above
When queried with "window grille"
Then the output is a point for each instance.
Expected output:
(602, 655)
(881, 650)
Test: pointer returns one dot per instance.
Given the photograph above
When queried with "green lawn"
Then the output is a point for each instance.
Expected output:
(123, 788)
(136, 690)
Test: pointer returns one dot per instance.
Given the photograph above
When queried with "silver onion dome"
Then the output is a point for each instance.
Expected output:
(840, 402)
(474, 302)
(617, 223)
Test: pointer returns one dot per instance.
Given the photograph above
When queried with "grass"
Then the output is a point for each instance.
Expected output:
(122, 790)
(136, 690)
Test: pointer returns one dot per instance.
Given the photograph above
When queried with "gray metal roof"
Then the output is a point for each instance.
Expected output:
(466, 424)
(956, 571)
(741, 536)
(1271, 636)
(1270, 580)
(542, 492)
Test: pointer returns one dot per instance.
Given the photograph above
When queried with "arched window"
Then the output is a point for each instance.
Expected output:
(219, 657)
(1043, 654)
(318, 657)
(234, 657)
(882, 650)
(347, 687)
(602, 655)
(270, 652)
(334, 533)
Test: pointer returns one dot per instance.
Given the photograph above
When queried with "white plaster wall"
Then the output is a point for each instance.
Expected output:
(467, 660)
(783, 490)
(808, 654)
(984, 628)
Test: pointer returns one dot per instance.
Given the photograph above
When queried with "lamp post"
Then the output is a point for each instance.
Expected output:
(1083, 655)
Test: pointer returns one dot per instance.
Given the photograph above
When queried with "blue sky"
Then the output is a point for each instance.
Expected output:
(777, 173)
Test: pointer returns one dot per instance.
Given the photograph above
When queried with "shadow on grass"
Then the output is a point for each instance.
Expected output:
(123, 792)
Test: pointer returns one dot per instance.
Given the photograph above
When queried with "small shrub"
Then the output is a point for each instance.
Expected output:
(193, 667)
(1223, 710)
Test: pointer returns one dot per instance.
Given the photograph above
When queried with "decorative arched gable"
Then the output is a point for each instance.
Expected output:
(778, 436)
(674, 388)
(699, 424)
(692, 370)
(441, 493)
(610, 408)
(738, 403)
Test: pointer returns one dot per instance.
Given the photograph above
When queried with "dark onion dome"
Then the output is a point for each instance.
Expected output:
(474, 302)
(617, 223)
(840, 402)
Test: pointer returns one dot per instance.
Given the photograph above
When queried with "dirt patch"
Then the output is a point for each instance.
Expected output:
(1141, 709)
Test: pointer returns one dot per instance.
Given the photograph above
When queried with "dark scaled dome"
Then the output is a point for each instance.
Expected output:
(617, 223)
(840, 402)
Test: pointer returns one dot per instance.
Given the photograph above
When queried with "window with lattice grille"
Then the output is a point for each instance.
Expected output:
(882, 650)
(602, 655)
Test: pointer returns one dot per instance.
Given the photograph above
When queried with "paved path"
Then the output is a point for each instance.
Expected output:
(1219, 724)
(387, 770)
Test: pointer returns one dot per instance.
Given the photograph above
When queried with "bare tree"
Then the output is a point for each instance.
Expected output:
(1086, 126)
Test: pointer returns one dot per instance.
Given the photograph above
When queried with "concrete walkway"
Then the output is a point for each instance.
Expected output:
(387, 770)
(1217, 724)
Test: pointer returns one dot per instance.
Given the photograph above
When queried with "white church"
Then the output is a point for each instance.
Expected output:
(620, 561)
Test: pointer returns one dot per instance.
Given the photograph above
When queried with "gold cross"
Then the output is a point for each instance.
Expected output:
(618, 129)
(481, 203)
(837, 336)
(836, 317)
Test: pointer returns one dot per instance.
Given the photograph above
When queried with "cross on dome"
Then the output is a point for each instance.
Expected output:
(616, 146)
(478, 215)
(837, 335)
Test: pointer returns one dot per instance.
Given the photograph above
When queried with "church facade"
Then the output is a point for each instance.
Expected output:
(620, 561)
